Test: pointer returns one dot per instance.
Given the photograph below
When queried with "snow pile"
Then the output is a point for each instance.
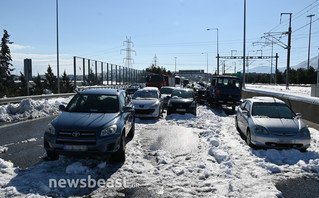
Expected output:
(179, 156)
(29, 140)
(3, 149)
(30, 109)
(304, 91)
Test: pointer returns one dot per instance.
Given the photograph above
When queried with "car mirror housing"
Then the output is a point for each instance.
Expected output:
(61, 107)
(128, 109)
(298, 115)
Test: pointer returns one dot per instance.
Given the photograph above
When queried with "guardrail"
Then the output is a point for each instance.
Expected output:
(35, 97)
(309, 107)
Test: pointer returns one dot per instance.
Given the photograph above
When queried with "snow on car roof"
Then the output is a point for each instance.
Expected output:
(266, 99)
(101, 91)
(150, 88)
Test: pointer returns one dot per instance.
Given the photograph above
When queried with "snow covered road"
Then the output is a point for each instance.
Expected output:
(175, 156)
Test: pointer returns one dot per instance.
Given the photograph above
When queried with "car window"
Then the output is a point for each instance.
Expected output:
(182, 94)
(272, 110)
(146, 94)
(122, 100)
(166, 90)
(93, 103)
(243, 104)
(247, 106)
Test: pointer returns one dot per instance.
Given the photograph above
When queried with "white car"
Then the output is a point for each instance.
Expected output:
(147, 102)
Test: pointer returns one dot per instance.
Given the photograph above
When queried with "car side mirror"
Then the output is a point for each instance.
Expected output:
(298, 115)
(246, 113)
(128, 109)
(61, 107)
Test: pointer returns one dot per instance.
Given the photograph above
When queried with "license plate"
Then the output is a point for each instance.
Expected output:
(181, 110)
(75, 147)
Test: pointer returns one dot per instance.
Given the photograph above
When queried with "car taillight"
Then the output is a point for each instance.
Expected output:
(217, 91)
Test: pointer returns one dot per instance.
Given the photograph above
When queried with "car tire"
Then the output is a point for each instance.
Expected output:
(248, 138)
(119, 155)
(132, 131)
(52, 155)
(236, 124)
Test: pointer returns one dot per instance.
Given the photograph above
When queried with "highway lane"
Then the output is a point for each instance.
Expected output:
(24, 141)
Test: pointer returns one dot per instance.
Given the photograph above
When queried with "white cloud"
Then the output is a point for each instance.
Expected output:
(14, 47)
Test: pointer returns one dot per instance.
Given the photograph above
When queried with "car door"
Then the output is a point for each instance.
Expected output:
(125, 115)
(240, 119)
(128, 103)
(246, 117)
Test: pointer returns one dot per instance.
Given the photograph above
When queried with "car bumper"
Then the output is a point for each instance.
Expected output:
(281, 142)
(228, 102)
(182, 110)
(108, 144)
(147, 113)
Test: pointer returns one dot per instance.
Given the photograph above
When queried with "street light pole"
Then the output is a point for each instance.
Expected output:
(244, 44)
(288, 50)
(57, 43)
(308, 63)
(207, 74)
(175, 66)
(217, 48)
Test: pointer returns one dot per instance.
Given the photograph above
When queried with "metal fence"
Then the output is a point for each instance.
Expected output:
(88, 72)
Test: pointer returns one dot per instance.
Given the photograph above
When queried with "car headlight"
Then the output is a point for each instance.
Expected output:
(156, 104)
(261, 130)
(304, 132)
(109, 130)
(50, 129)
(193, 104)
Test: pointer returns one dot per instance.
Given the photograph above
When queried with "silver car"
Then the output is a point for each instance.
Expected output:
(269, 122)
(147, 102)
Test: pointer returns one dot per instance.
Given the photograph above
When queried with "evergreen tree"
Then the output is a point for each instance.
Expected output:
(66, 85)
(51, 80)
(23, 85)
(39, 85)
(158, 70)
(7, 85)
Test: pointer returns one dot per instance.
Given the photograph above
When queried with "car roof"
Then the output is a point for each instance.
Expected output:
(225, 76)
(183, 89)
(168, 87)
(150, 88)
(102, 91)
(266, 99)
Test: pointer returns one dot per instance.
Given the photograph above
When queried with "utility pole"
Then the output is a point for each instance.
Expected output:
(288, 49)
(318, 68)
(244, 45)
(217, 49)
(308, 63)
(128, 59)
(175, 65)
(57, 44)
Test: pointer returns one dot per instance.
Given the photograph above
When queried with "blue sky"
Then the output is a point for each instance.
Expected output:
(96, 29)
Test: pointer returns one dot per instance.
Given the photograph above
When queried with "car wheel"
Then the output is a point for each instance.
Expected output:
(236, 124)
(119, 155)
(52, 155)
(248, 138)
(132, 131)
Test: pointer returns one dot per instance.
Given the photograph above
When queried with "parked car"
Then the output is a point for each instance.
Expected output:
(224, 90)
(166, 94)
(269, 122)
(95, 122)
(132, 89)
(182, 101)
(147, 102)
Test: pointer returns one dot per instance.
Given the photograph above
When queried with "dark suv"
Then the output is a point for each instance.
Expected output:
(95, 122)
(225, 90)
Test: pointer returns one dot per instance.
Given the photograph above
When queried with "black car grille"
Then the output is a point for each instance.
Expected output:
(284, 133)
(144, 111)
(181, 106)
(229, 96)
(67, 137)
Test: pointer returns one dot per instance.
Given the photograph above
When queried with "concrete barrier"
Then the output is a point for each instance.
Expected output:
(308, 107)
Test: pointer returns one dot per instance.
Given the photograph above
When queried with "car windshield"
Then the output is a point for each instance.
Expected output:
(145, 94)
(182, 94)
(166, 90)
(272, 110)
(228, 82)
(93, 103)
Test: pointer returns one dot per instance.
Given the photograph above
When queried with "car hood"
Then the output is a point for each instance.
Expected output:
(276, 124)
(181, 100)
(84, 121)
(165, 95)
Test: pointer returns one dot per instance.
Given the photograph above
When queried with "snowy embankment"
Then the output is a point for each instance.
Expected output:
(178, 156)
(30, 109)
(303, 91)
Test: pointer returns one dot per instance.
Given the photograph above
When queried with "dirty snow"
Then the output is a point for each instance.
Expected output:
(30, 109)
(204, 156)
